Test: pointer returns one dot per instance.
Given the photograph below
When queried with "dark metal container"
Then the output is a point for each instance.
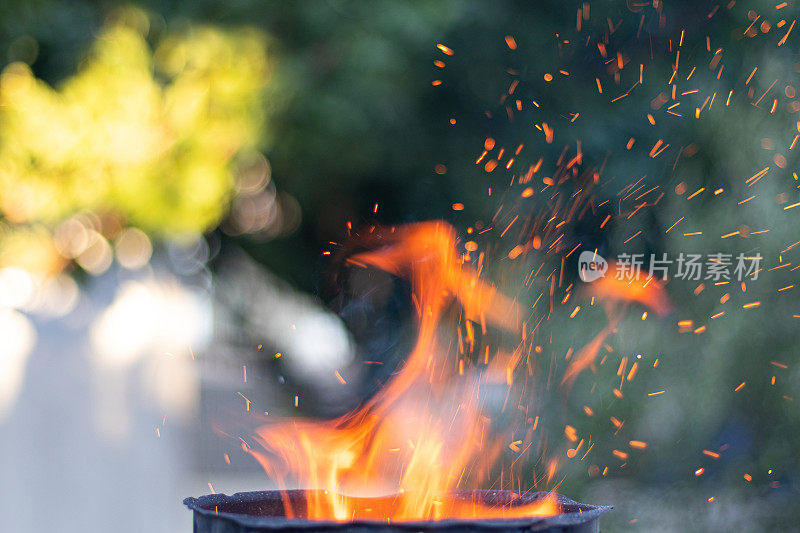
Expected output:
(253, 512)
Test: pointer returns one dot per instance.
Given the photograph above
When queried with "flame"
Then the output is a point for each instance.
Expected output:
(424, 434)
(648, 291)
(615, 294)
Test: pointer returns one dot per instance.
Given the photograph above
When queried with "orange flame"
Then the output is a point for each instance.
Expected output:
(422, 435)
(648, 291)
(615, 294)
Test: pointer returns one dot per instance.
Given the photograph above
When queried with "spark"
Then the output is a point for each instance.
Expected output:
(782, 41)
(444, 49)
(675, 224)
(248, 402)
(696, 193)
(757, 176)
(765, 93)
(751, 25)
(632, 237)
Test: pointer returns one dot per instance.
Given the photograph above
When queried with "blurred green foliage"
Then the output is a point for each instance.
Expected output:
(145, 135)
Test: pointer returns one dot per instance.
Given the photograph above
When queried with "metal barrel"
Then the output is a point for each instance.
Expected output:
(252, 512)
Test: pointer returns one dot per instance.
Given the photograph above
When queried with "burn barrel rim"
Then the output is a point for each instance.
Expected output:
(576, 514)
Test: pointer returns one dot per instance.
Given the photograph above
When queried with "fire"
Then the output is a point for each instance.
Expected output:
(648, 291)
(424, 434)
(615, 294)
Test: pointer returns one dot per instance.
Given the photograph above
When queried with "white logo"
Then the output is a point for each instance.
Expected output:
(591, 266)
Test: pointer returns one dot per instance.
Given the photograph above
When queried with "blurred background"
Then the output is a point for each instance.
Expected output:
(175, 178)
